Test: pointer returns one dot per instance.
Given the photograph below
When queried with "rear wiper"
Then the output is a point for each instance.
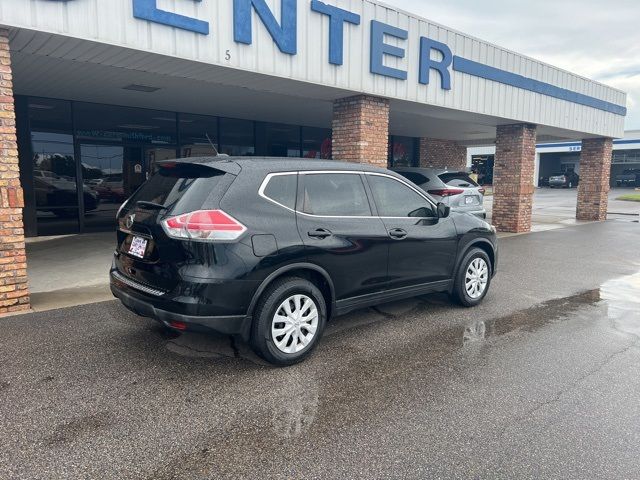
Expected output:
(150, 205)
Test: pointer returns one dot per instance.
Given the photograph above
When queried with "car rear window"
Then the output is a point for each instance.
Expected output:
(457, 179)
(415, 177)
(169, 187)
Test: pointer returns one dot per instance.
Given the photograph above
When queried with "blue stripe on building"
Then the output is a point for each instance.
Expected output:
(515, 80)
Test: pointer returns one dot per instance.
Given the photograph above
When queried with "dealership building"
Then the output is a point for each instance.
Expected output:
(94, 92)
(553, 158)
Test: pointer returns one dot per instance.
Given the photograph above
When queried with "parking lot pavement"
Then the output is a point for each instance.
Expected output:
(556, 208)
(541, 380)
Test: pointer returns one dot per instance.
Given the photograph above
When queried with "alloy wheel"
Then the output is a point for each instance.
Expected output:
(294, 323)
(476, 278)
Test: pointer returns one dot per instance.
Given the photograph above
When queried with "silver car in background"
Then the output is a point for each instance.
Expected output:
(451, 187)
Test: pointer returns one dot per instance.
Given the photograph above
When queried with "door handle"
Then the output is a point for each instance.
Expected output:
(319, 233)
(398, 234)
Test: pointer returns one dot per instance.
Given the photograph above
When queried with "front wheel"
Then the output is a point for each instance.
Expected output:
(472, 278)
(288, 321)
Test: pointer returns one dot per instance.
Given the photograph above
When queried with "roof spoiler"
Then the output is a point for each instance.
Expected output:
(218, 163)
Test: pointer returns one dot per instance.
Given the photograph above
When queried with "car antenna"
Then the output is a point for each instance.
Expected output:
(212, 145)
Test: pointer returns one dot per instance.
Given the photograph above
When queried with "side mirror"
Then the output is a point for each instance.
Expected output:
(443, 210)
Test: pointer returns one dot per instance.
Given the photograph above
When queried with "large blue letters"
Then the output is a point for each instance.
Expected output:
(337, 18)
(379, 49)
(148, 10)
(442, 66)
(285, 34)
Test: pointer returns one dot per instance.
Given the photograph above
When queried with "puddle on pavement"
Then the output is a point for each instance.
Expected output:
(621, 296)
(326, 398)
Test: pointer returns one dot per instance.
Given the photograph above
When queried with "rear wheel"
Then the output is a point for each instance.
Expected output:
(473, 278)
(288, 321)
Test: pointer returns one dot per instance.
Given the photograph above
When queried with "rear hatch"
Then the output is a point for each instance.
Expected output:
(461, 192)
(145, 253)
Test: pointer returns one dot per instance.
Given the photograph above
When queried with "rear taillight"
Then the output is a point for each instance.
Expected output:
(446, 192)
(481, 190)
(204, 225)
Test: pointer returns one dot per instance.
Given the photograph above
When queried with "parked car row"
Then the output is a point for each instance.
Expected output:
(628, 178)
(270, 249)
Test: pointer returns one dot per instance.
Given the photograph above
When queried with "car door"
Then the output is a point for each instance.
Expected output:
(422, 247)
(340, 233)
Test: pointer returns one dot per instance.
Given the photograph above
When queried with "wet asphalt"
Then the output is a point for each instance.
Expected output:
(540, 381)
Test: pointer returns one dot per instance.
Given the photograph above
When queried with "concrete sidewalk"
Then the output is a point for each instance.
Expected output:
(69, 270)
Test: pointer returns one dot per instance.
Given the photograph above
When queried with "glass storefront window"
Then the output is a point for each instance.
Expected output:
(403, 151)
(54, 166)
(197, 133)
(87, 158)
(316, 142)
(277, 140)
(113, 124)
(237, 137)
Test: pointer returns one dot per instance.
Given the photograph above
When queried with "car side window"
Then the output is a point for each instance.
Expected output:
(335, 194)
(395, 199)
(283, 189)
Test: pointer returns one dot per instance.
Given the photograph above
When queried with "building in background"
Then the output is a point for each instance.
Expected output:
(560, 157)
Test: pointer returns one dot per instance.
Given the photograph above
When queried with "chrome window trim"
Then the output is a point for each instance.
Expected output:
(266, 180)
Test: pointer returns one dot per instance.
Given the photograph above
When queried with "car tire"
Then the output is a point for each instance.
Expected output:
(462, 290)
(292, 294)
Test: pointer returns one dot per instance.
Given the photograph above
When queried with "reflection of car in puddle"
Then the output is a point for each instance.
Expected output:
(622, 296)
(474, 333)
(294, 400)
(295, 405)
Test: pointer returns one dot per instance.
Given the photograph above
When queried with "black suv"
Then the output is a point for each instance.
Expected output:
(270, 249)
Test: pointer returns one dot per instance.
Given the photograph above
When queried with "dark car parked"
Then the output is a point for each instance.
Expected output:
(270, 249)
(568, 179)
(628, 178)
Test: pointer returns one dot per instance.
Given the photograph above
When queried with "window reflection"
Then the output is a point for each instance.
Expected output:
(88, 158)
(113, 124)
(237, 137)
(403, 151)
(316, 142)
(278, 140)
(54, 167)
(197, 134)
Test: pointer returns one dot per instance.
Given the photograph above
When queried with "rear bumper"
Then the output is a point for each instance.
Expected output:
(142, 305)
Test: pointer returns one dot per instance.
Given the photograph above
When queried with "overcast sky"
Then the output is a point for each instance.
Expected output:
(595, 38)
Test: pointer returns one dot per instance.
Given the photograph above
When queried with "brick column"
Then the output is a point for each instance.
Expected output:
(361, 130)
(448, 154)
(595, 170)
(14, 295)
(513, 177)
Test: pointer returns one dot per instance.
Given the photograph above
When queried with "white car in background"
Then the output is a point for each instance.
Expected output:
(451, 187)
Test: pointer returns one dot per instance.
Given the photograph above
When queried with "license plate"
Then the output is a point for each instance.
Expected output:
(469, 200)
(138, 247)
